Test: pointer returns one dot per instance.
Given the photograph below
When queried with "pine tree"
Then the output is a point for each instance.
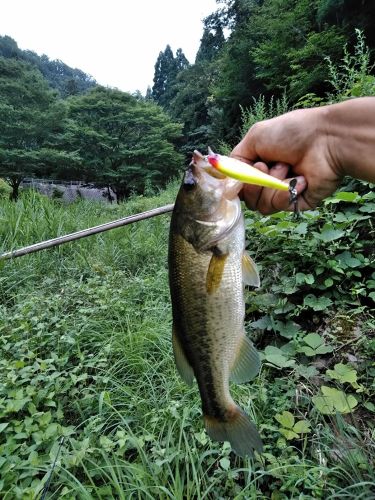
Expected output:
(167, 68)
(165, 72)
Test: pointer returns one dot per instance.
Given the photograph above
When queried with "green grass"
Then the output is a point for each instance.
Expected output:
(86, 354)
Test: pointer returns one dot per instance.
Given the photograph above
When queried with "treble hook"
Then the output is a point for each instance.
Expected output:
(293, 198)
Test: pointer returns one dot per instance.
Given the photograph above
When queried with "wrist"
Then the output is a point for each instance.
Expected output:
(331, 129)
(350, 135)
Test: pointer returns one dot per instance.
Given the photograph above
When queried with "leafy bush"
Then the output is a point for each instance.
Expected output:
(351, 78)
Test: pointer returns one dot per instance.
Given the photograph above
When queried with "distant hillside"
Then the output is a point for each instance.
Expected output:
(66, 80)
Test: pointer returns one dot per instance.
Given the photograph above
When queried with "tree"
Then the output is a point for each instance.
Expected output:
(213, 39)
(164, 74)
(31, 121)
(167, 68)
(125, 142)
(66, 80)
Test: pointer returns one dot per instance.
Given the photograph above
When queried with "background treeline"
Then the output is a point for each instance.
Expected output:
(56, 121)
(97, 134)
(272, 47)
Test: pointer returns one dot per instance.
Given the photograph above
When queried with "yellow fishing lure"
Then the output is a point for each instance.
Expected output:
(243, 172)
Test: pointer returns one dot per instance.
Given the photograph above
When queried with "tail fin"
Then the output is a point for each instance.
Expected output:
(239, 430)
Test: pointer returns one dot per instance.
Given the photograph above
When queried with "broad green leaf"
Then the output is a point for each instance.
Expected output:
(51, 431)
(343, 373)
(3, 426)
(300, 278)
(369, 406)
(264, 323)
(289, 349)
(301, 228)
(225, 463)
(276, 356)
(324, 405)
(302, 427)
(347, 260)
(342, 402)
(313, 340)
(306, 371)
(317, 303)
(324, 349)
(330, 234)
(308, 351)
(288, 434)
(346, 196)
(368, 208)
(286, 419)
(288, 330)
(44, 419)
(33, 458)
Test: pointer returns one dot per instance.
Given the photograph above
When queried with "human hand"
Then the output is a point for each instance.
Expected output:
(298, 144)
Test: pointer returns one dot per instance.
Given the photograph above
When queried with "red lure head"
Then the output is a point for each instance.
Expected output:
(213, 160)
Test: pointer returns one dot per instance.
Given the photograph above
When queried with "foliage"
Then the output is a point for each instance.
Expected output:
(5, 189)
(124, 142)
(31, 119)
(166, 69)
(262, 110)
(86, 354)
(290, 428)
(212, 40)
(190, 97)
(352, 78)
(272, 47)
(66, 80)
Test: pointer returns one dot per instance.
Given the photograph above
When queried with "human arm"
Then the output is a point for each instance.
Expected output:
(319, 145)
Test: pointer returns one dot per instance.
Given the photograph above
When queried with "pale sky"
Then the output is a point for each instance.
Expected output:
(115, 41)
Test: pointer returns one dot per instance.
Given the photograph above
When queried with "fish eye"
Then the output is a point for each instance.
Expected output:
(189, 181)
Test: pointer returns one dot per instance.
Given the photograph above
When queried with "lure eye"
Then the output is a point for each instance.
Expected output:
(189, 181)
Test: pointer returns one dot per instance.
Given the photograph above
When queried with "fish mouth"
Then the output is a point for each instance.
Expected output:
(202, 172)
(200, 163)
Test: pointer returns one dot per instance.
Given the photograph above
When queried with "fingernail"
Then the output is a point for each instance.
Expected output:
(280, 166)
(301, 182)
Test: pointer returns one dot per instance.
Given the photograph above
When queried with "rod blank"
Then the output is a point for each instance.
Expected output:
(86, 232)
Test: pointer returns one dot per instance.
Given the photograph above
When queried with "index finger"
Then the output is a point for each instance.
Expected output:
(246, 148)
(243, 153)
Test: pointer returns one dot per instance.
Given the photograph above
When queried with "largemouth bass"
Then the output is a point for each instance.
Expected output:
(208, 267)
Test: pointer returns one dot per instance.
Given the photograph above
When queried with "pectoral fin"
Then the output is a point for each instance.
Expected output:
(250, 274)
(247, 363)
(183, 365)
(215, 272)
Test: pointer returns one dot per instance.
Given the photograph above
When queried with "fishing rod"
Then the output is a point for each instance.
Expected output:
(42, 245)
